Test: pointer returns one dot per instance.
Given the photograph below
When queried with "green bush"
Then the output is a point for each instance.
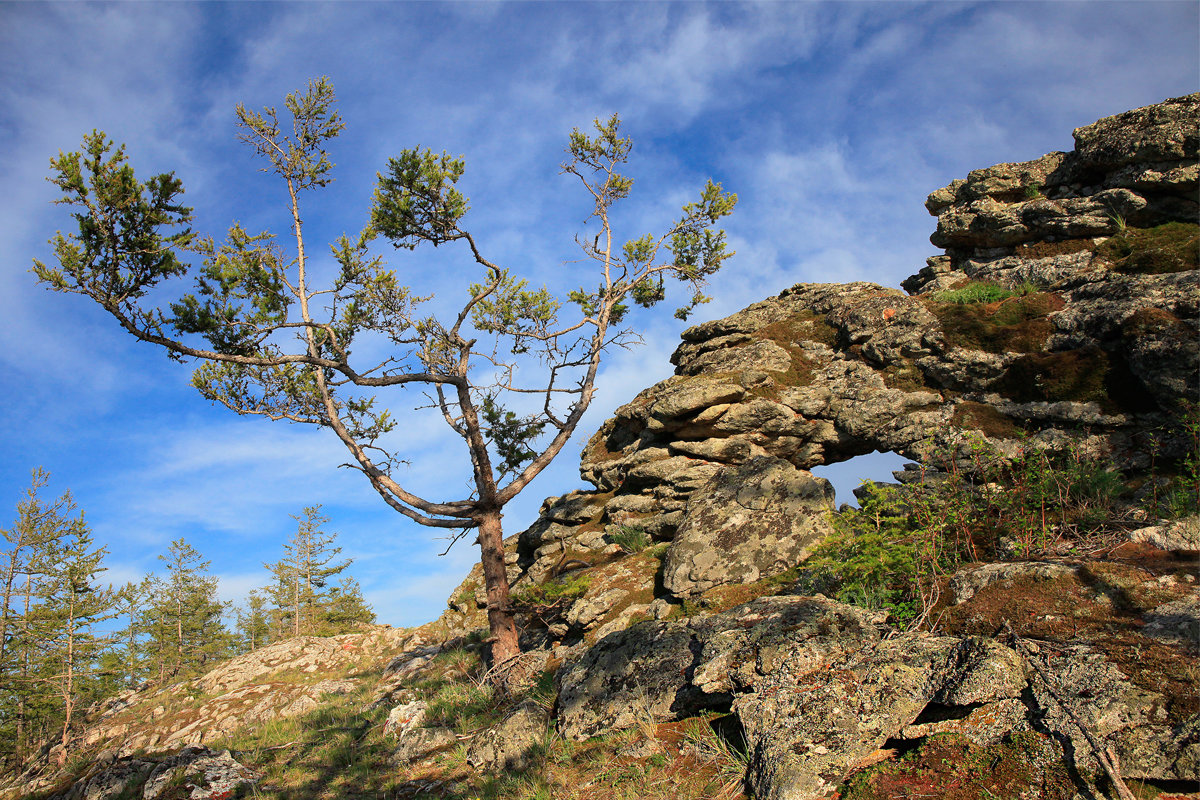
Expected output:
(872, 558)
(630, 539)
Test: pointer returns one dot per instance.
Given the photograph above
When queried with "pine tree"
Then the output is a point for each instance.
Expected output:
(302, 576)
(346, 609)
(73, 606)
(182, 620)
(253, 623)
(257, 316)
(127, 663)
(35, 542)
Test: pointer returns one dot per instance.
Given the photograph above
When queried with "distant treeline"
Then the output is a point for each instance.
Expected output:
(67, 639)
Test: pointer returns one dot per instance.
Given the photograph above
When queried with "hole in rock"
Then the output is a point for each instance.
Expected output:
(902, 747)
(846, 476)
(730, 731)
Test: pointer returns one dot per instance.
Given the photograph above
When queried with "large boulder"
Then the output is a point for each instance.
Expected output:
(752, 520)
(657, 671)
(513, 742)
(810, 721)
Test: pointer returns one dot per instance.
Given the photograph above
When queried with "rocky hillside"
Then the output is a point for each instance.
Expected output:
(696, 608)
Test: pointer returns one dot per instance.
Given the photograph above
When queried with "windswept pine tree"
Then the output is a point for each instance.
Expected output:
(277, 342)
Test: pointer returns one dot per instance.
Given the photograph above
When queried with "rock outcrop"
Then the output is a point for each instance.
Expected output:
(819, 689)
(196, 773)
(1065, 311)
(242, 691)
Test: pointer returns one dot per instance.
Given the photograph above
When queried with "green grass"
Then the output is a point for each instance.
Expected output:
(565, 588)
(630, 539)
(974, 292)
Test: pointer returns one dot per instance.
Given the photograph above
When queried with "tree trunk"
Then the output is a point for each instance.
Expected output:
(69, 683)
(501, 623)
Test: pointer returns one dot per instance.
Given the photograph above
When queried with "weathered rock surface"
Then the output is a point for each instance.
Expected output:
(286, 679)
(664, 670)
(209, 775)
(200, 773)
(511, 744)
(751, 520)
(818, 690)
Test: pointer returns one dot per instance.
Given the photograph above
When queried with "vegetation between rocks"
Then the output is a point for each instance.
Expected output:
(894, 552)
(1171, 247)
(1014, 324)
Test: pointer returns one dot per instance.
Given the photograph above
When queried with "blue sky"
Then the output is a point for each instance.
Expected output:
(831, 121)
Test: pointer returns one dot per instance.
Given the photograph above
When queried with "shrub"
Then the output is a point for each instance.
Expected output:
(630, 539)
(892, 553)
(871, 559)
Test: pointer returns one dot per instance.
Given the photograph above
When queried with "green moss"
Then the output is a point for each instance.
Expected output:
(1088, 374)
(1078, 375)
(904, 375)
(951, 767)
(1013, 325)
(1158, 323)
(969, 415)
(803, 326)
(1166, 248)
(1048, 249)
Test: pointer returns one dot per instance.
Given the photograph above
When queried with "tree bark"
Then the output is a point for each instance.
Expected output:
(501, 622)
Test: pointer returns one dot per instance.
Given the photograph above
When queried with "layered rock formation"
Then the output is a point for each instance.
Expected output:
(1063, 313)
(1091, 339)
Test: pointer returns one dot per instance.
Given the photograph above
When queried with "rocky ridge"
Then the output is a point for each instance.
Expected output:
(1084, 335)
(1092, 347)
